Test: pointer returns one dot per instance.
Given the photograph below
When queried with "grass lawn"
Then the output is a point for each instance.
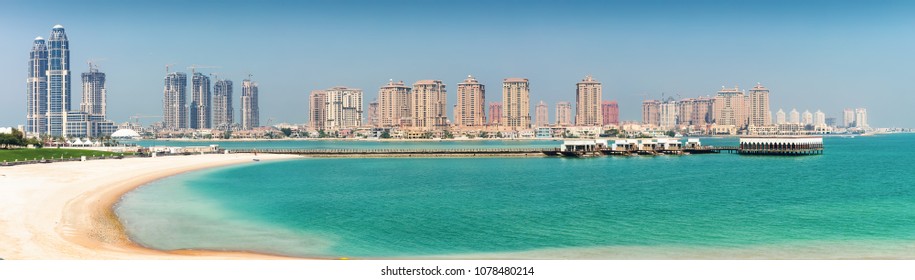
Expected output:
(48, 153)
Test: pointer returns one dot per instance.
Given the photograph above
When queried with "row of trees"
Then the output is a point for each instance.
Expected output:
(16, 139)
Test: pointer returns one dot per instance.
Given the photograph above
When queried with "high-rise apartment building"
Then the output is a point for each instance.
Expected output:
(516, 100)
(563, 113)
(759, 114)
(342, 108)
(611, 112)
(651, 112)
(250, 110)
(807, 118)
(37, 89)
(848, 117)
(394, 104)
(471, 103)
(223, 111)
(94, 93)
(200, 101)
(667, 114)
(373, 113)
(495, 113)
(317, 106)
(780, 117)
(428, 104)
(59, 94)
(174, 106)
(819, 118)
(730, 107)
(541, 115)
(702, 111)
(861, 118)
(685, 111)
(794, 117)
(588, 102)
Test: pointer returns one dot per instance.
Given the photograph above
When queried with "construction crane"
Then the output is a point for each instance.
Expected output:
(168, 66)
(93, 63)
(215, 76)
(194, 67)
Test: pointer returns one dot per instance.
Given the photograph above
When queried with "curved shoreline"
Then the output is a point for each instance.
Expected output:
(66, 210)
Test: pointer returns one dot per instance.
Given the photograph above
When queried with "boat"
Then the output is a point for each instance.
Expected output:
(257, 159)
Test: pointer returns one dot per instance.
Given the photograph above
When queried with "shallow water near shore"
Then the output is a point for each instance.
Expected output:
(858, 197)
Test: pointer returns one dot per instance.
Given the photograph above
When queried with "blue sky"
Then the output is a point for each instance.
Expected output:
(824, 55)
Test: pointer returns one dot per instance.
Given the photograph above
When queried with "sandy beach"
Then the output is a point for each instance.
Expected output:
(64, 210)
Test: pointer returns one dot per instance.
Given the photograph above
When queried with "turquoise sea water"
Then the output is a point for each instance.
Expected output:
(856, 200)
(358, 144)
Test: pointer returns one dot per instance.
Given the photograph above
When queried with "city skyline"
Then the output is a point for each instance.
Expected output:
(825, 71)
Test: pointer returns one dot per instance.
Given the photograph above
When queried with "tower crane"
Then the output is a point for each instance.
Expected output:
(168, 66)
(194, 67)
(93, 62)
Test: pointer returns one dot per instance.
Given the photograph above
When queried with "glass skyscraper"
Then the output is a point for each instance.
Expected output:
(37, 93)
(59, 93)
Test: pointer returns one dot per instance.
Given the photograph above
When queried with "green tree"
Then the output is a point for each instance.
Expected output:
(16, 138)
(671, 133)
(286, 131)
(386, 134)
(227, 134)
(6, 140)
(612, 132)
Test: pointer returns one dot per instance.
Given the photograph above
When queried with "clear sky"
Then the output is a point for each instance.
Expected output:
(824, 55)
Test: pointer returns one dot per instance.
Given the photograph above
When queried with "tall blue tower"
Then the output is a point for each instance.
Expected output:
(58, 73)
(37, 88)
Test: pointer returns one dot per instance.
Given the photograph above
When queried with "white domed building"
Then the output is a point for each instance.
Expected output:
(125, 134)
